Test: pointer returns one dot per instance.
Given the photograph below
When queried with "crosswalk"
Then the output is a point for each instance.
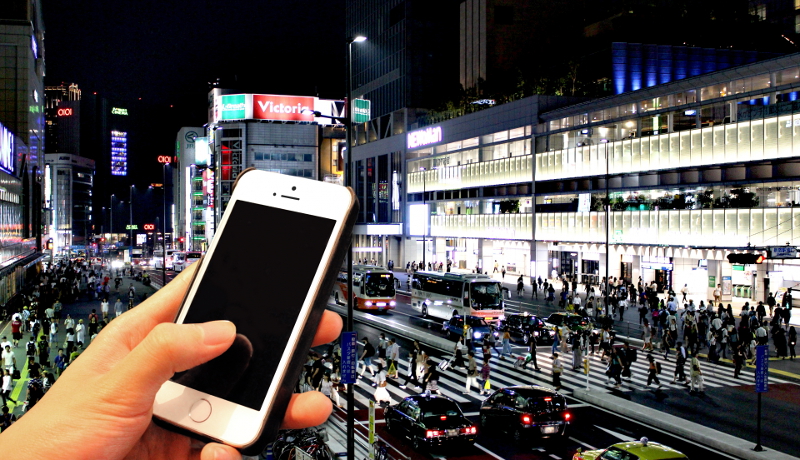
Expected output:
(503, 374)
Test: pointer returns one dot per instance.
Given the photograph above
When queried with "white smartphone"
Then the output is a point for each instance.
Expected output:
(269, 270)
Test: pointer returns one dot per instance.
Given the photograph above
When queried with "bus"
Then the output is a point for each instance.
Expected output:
(181, 260)
(158, 259)
(373, 288)
(467, 294)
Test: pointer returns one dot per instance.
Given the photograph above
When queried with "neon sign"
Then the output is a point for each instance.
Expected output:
(118, 111)
(119, 153)
(164, 159)
(65, 112)
(425, 136)
(149, 227)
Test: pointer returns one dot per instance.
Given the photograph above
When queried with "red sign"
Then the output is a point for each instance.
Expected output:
(149, 227)
(65, 112)
(165, 159)
(287, 108)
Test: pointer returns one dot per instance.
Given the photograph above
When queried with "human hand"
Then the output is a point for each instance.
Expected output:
(101, 406)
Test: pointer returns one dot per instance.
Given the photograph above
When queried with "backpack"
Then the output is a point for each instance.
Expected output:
(31, 347)
(631, 355)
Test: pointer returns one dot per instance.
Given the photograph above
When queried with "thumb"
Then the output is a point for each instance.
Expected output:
(167, 349)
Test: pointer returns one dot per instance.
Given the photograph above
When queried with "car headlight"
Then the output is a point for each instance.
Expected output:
(368, 303)
(476, 335)
(392, 303)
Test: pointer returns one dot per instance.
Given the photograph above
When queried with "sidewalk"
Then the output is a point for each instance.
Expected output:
(77, 310)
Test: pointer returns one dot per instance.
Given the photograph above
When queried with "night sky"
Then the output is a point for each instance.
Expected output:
(167, 51)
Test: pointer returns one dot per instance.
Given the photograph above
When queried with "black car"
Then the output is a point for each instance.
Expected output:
(526, 412)
(454, 328)
(522, 326)
(430, 421)
(574, 321)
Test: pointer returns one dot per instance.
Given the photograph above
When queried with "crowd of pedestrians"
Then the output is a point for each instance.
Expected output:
(38, 312)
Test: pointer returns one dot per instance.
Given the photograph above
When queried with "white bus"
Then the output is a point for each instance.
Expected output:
(181, 260)
(158, 259)
(446, 294)
(373, 288)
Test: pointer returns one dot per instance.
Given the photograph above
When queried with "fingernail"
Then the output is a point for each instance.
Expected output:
(217, 332)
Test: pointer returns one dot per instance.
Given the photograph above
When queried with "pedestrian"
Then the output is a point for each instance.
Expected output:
(381, 394)
(685, 291)
(8, 385)
(9, 361)
(16, 330)
(680, 362)
(738, 361)
(382, 345)
(531, 354)
(458, 353)
(366, 358)
(93, 322)
(430, 381)
(520, 286)
(60, 362)
(697, 376)
(652, 371)
(472, 372)
(558, 368)
(53, 334)
(483, 380)
(779, 340)
(80, 333)
(104, 309)
(392, 358)
(792, 342)
(411, 376)
(614, 369)
(118, 308)
(647, 336)
(629, 357)
(7, 419)
(70, 341)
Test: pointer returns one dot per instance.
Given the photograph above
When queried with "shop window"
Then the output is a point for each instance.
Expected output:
(714, 91)
(596, 116)
(761, 82)
(716, 114)
(627, 109)
(684, 119)
(786, 76)
(686, 97)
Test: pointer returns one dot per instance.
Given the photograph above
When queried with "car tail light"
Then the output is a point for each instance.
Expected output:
(526, 419)
(567, 416)
(442, 417)
(432, 433)
(469, 430)
(548, 399)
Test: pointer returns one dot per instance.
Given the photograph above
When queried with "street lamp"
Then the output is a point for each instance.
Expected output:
(130, 222)
(347, 177)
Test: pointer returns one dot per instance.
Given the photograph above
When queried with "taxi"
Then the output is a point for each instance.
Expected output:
(632, 450)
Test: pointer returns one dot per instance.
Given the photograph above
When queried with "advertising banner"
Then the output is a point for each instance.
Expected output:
(233, 107)
(283, 108)
(762, 368)
(349, 356)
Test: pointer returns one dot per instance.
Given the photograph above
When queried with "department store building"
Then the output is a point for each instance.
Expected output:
(693, 170)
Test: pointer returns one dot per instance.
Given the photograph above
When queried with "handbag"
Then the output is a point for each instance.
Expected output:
(487, 385)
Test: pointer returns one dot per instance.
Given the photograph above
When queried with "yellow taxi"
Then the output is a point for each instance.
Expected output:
(633, 450)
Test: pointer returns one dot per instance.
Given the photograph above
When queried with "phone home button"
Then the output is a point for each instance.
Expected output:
(200, 411)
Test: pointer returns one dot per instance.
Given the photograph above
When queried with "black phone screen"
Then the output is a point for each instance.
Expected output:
(258, 277)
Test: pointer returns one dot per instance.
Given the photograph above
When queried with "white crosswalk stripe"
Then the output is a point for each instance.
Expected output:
(503, 374)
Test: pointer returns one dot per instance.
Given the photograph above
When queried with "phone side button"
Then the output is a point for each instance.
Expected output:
(200, 411)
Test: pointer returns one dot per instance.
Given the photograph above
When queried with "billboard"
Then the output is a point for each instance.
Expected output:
(233, 107)
(274, 107)
(418, 219)
(283, 108)
(6, 150)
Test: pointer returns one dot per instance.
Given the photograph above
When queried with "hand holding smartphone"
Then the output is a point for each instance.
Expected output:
(269, 270)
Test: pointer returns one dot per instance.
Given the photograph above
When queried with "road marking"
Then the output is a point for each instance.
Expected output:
(555, 456)
(588, 446)
(620, 436)
(488, 452)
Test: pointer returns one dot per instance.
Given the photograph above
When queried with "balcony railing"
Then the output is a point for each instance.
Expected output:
(485, 173)
(763, 139)
(699, 228)
(498, 226)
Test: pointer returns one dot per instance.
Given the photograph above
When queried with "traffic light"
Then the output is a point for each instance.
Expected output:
(745, 258)
(50, 244)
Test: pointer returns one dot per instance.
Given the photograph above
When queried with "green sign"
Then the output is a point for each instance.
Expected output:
(361, 110)
(118, 111)
(233, 107)
(712, 281)
(738, 268)
(132, 227)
